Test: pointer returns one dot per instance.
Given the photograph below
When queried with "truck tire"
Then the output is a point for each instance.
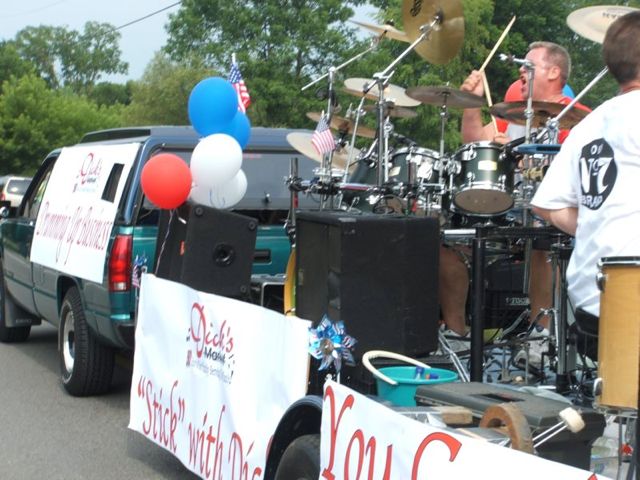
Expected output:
(301, 459)
(86, 365)
(7, 308)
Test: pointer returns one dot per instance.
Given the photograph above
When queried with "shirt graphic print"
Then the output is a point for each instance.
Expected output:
(598, 173)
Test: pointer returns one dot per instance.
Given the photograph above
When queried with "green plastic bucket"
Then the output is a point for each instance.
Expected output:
(403, 394)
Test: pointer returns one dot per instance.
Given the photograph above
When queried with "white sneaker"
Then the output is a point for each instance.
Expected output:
(457, 343)
(536, 350)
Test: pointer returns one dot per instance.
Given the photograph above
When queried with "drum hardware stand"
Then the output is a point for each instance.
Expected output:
(381, 79)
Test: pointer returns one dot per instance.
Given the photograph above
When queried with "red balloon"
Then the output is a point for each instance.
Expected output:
(166, 180)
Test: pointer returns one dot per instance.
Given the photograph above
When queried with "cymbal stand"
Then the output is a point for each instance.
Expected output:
(527, 188)
(383, 77)
(553, 124)
(328, 158)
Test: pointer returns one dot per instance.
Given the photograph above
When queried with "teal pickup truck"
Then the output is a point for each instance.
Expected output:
(95, 315)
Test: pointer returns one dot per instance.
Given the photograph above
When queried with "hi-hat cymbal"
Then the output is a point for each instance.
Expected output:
(452, 97)
(301, 141)
(393, 111)
(445, 40)
(592, 22)
(514, 112)
(397, 94)
(385, 31)
(344, 125)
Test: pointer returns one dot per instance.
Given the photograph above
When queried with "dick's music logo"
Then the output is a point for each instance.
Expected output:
(210, 347)
(88, 175)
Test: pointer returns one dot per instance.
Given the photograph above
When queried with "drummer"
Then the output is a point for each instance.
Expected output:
(590, 190)
(552, 65)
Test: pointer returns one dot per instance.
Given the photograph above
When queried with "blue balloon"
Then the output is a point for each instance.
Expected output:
(213, 102)
(567, 91)
(239, 128)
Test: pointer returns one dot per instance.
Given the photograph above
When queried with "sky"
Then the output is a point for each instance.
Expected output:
(138, 42)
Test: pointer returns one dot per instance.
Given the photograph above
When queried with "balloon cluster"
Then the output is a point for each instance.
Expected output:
(214, 177)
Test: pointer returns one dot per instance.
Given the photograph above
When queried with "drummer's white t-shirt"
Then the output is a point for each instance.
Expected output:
(598, 171)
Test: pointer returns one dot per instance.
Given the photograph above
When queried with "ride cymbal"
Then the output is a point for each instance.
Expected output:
(444, 95)
(445, 40)
(592, 22)
(301, 141)
(344, 125)
(514, 112)
(355, 86)
(393, 111)
(385, 31)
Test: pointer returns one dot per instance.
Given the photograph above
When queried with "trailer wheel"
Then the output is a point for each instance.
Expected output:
(86, 365)
(301, 459)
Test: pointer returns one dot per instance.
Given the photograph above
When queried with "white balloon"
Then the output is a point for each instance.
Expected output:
(215, 160)
(222, 196)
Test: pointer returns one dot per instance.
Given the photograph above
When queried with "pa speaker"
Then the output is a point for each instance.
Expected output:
(207, 249)
(376, 273)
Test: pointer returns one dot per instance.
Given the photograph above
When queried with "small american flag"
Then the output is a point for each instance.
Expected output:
(322, 138)
(235, 77)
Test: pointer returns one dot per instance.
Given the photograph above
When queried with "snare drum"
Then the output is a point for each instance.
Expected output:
(482, 179)
(619, 332)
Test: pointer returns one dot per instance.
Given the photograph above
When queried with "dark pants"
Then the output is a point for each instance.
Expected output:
(584, 332)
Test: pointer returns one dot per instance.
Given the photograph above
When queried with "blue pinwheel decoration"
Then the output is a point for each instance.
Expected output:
(330, 343)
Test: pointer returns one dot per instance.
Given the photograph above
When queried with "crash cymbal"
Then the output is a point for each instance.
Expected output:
(592, 22)
(301, 141)
(439, 95)
(393, 111)
(385, 31)
(446, 38)
(345, 125)
(542, 111)
(397, 94)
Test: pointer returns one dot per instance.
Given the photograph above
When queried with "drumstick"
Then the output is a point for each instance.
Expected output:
(487, 94)
(495, 47)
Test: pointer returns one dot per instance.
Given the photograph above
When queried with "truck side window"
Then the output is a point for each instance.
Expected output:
(32, 205)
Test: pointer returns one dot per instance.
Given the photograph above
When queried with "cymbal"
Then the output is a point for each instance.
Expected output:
(542, 111)
(393, 111)
(454, 97)
(445, 40)
(592, 22)
(397, 94)
(385, 31)
(301, 141)
(345, 125)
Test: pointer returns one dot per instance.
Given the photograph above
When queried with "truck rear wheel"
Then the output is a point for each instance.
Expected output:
(86, 365)
(301, 459)
(8, 307)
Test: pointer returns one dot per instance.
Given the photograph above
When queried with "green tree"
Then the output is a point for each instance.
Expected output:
(70, 58)
(109, 93)
(35, 119)
(11, 63)
(280, 46)
(161, 95)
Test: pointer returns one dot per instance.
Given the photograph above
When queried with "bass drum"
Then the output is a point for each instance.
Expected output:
(482, 179)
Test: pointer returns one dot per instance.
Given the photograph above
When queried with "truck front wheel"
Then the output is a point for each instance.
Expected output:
(86, 365)
(301, 459)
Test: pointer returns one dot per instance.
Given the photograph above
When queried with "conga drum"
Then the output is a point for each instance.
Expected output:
(619, 332)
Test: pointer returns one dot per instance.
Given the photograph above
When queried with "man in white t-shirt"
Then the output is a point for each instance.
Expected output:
(591, 188)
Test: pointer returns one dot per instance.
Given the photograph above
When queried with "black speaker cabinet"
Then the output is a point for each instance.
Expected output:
(378, 274)
(207, 249)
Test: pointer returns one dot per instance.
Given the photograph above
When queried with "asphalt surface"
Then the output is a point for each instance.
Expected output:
(45, 433)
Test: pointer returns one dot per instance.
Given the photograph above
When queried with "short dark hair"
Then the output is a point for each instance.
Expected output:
(556, 55)
(621, 48)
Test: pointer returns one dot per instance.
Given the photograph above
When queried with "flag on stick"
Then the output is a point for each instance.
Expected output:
(322, 138)
(235, 77)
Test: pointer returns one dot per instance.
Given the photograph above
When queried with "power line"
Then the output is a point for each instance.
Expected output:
(149, 15)
(35, 10)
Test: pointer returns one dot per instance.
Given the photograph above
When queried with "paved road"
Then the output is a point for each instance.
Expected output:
(45, 433)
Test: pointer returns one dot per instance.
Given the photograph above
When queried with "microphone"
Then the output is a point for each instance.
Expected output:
(402, 138)
(504, 57)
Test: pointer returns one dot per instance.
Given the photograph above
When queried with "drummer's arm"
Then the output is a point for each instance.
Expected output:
(473, 128)
(566, 219)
